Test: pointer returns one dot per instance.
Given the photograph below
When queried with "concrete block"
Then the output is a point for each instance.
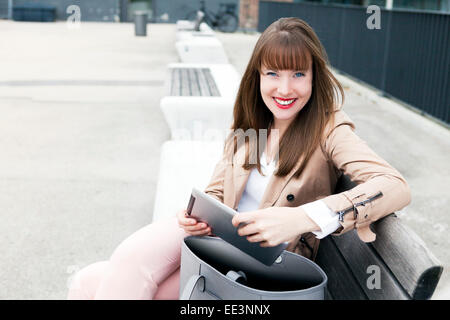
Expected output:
(201, 50)
(198, 117)
(183, 165)
(205, 31)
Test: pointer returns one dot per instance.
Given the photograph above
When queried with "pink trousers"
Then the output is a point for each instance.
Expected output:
(144, 266)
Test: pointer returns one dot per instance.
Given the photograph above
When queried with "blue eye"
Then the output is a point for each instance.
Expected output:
(299, 74)
(271, 73)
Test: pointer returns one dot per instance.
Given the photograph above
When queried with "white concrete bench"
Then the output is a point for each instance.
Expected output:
(197, 118)
(187, 34)
(201, 50)
(200, 100)
(183, 25)
(191, 25)
(183, 165)
(187, 25)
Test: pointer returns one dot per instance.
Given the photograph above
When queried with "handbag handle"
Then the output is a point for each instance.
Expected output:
(238, 277)
(190, 286)
(198, 279)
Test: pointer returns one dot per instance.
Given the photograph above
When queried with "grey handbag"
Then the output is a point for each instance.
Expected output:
(212, 269)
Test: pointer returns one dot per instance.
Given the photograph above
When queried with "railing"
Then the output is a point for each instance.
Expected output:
(4, 9)
(408, 58)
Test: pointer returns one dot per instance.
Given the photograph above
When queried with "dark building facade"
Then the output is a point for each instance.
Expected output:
(91, 10)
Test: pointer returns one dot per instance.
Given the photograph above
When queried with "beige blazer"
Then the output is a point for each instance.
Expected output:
(341, 152)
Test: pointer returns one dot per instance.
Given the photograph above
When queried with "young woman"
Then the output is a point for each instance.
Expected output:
(287, 193)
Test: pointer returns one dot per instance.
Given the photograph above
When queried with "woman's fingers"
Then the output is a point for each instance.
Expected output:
(192, 226)
(183, 220)
(248, 229)
(187, 222)
(243, 217)
(255, 238)
(196, 227)
(202, 232)
(252, 233)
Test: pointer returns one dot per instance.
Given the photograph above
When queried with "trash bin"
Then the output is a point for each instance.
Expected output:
(140, 23)
(34, 12)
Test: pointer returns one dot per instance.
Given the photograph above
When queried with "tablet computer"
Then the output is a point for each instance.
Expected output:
(218, 216)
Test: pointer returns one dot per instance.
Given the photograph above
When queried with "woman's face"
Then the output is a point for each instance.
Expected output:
(286, 92)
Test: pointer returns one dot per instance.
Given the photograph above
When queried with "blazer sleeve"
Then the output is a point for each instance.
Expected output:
(352, 156)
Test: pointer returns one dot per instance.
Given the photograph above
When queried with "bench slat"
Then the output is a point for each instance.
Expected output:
(211, 83)
(193, 82)
(360, 257)
(341, 285)
(398, 244)
(202, 82)
(185, 86)
(195, 89)
(411, 264)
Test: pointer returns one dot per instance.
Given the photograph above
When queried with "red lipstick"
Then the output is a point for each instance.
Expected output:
(284, 106)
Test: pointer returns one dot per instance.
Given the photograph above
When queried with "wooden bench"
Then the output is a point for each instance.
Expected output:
(199, 100)
(202, 80)
(192, 82)
(407, 269)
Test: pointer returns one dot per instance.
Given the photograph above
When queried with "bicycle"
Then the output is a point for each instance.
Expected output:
(225, 19)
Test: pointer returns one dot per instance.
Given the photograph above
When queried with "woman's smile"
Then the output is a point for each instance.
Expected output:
(284, 103)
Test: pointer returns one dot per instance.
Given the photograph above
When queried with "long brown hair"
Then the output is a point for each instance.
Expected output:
(287, 44)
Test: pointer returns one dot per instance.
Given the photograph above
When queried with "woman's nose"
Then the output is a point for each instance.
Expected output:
(285, 87)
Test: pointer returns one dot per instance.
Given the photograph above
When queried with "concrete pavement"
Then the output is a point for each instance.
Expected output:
(80, 132)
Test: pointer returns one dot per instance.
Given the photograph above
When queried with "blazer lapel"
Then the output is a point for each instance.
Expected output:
(274, 188)
(241, 176)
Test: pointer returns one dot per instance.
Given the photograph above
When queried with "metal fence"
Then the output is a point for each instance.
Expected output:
(408, 58)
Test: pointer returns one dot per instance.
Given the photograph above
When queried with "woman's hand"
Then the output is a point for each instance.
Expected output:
(274, 225)
(191, 226)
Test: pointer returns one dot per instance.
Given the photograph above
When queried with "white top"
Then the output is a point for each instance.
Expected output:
(318, 211)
